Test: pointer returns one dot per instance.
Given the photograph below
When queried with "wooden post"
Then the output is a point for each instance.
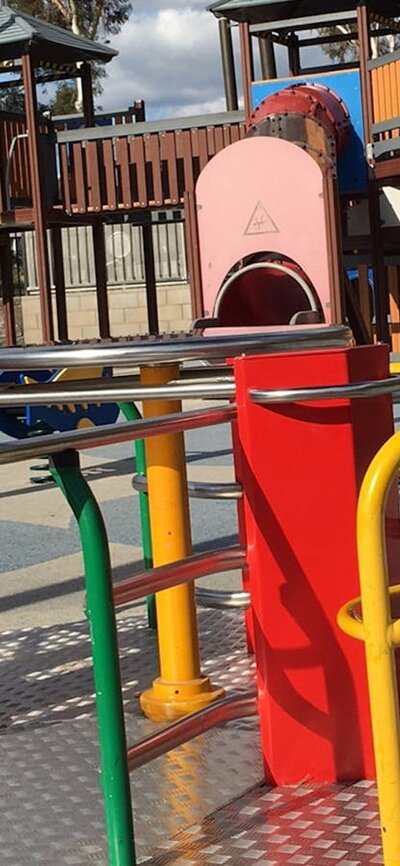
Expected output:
(100, 266)
(228, 65)
(247, 66)
(59, 282)
(150, 278)
(39, 210)
(366, 83)
(267, 57)
(193, 255)
(7, 290)
(294, 56)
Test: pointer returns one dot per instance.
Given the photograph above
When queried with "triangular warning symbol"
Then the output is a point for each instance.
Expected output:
(260, 222)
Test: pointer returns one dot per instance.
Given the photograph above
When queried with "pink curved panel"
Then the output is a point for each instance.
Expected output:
(262, 195)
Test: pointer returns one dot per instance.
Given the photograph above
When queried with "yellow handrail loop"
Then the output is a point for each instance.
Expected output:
(381, 635)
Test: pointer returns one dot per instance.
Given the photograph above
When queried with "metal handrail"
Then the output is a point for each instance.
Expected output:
(381, 634)
(327, 392)
(170, 350)
(56, 393)
(199, 489)
(176, 573)
(220, 599)
(226, 710)
(112, 434)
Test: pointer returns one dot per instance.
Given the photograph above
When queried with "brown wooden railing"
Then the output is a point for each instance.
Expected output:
(118, 167)
(140, 165)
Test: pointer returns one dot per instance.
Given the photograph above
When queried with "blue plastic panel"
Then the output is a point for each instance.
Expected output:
(352, 169)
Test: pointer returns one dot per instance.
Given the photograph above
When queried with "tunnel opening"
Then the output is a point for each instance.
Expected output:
(267, 289)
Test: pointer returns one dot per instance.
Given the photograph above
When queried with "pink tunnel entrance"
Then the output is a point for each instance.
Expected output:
(268, 291)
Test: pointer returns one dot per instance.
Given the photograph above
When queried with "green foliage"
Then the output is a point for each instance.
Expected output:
(65, 98)
(347, 50)
(94, 19)
(90, 18)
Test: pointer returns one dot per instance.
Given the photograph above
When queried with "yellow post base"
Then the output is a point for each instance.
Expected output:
(167, 701)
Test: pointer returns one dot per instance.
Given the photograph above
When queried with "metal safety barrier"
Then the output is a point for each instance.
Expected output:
(159, 365)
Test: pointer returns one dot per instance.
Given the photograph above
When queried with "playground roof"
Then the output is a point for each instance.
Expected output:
(260, 11)
(21, 34)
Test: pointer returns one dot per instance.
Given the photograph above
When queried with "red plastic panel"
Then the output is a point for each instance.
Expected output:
(301, 466)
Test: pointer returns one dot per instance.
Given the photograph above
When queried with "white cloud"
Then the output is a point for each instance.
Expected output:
(170, 58)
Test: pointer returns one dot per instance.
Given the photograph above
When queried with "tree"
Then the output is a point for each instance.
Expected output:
(91, 18)
(94, 19)
(347, 50)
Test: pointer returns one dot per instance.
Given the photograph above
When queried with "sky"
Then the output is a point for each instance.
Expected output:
(169, 56)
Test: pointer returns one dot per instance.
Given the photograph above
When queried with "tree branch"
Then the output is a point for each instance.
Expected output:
(59, 6)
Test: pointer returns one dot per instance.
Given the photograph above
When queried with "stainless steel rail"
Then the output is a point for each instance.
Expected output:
(165, 350)
(329, 392)
(56, 393)
(221, 599)
(113, 434)
(198, 489)
(176, 573)
(227, 710)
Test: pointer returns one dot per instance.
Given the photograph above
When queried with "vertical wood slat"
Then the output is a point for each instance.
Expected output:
(109, 170)
(394, 306)
(184, 152)
(65, 178)
(219, 139)
(168, 155)
(364, 296)
(211, 141)
(93, 176)
(136, 148)
(77, 151)
(199, 146)
(152, 156)
(122, 156)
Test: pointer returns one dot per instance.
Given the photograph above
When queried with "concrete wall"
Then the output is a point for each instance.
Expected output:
(128, 313)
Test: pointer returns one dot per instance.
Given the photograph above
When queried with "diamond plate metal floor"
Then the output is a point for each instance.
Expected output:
(50, 801)
(201, 804)
(304, 826)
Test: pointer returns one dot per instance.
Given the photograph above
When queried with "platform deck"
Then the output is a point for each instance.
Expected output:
(203, 803)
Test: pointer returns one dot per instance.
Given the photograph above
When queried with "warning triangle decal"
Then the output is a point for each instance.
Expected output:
(260, 222)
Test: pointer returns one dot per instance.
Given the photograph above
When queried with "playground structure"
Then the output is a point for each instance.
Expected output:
(267, 222)
(135, 171)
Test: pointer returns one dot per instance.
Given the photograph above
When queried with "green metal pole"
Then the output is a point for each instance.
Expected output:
(103, 633)
(132, 413)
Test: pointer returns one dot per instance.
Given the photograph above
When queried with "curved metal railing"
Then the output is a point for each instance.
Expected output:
(199, 489)
(355, 390)
(145, 350)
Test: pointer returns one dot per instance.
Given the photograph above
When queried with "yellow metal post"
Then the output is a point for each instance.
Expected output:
(379, 641)
(180, 688)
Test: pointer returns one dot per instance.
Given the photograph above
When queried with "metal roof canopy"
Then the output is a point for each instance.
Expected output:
(22, 34)
(260, 11)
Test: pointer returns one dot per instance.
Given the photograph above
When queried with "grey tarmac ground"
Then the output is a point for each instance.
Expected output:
(41, 566)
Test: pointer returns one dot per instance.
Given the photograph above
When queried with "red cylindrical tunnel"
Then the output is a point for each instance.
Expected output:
(308, 100)
(266, 291)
